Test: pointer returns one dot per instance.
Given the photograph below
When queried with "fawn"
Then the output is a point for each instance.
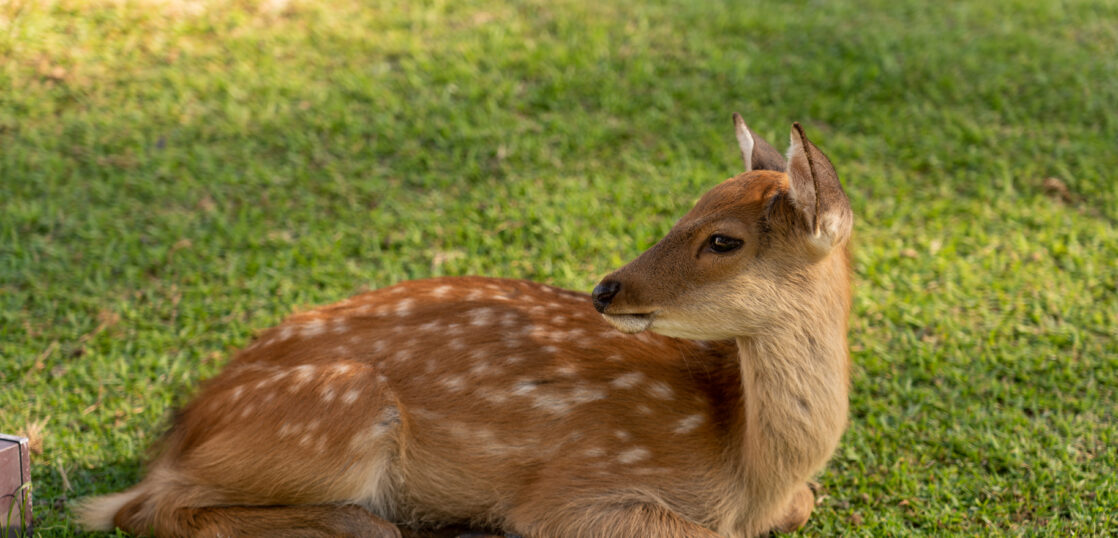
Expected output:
(711, 388)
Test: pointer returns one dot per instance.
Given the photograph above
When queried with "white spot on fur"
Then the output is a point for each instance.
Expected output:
(237, 392)
(661, 390)
(247, 410)
(481, 369)
(425, 413)
(688, 424)
(622, 435)
(494, 397)
(286, 332)
(523, 388)
(594, 452)
(644, 409)
(480, 317)
(341, 368)
(441, 291)
(551, 403)
(582, 394)
(633, 455)
(481, 437)
(627, 380)
(350, 396)
(327, 394)
(453, 383)
(303, 374)
(312, 328)
(403, 307)
(510, 320)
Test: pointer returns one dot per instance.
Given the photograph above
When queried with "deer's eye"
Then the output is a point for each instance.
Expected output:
(723, 243)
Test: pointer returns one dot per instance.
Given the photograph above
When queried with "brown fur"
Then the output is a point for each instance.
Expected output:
(510, 404)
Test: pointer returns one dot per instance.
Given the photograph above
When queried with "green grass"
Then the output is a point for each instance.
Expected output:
(177, 174)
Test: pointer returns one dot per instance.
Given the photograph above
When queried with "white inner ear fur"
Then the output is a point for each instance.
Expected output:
(745, 142)
(795, 150)
(830, 232)
(828, 226)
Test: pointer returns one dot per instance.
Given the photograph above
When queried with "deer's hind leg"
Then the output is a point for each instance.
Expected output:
(308, 521)
(288, 461)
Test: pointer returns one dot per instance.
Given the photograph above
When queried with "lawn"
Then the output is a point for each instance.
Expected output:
(177, 174)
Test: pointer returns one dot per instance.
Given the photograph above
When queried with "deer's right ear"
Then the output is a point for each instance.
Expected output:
(756, 154)
(816, 194)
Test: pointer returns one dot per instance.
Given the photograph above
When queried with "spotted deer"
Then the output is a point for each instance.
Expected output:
(699, 403)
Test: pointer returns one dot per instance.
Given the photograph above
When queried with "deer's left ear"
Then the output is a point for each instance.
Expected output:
(817, 194)
(756, 154)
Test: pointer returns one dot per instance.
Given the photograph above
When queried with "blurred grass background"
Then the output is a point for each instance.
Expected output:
(176, 174)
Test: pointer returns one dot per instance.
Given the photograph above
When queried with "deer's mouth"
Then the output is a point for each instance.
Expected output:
(630, 323)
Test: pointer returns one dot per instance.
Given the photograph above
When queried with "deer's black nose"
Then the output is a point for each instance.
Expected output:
(603, 294)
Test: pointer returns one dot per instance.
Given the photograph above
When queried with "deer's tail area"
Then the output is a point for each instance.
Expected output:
(99, 513)
(142, 509)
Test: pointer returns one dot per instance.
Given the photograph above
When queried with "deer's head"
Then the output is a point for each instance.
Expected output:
(757, 248)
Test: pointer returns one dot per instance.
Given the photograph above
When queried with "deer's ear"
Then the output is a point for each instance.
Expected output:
(756, 154)
(816, 194)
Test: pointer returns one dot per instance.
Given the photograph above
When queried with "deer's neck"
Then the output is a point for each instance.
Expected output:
(795, 396)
